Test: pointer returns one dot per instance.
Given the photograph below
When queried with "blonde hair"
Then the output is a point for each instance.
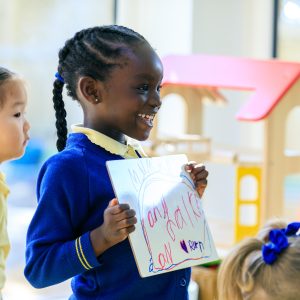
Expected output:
(243, 273)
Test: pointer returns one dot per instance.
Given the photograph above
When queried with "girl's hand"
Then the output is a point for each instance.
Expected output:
(119, 221)
(199, 175)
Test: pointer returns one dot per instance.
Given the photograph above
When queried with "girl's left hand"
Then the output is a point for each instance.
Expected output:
(199, 175)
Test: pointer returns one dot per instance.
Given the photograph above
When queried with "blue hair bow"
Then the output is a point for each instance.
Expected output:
(292, 229)
(57, 75)
(278, 242)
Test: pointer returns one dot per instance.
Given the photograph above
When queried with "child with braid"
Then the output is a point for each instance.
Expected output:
(79, 229)
(13, 140)
(263, 268)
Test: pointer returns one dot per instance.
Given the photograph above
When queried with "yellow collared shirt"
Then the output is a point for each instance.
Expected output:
(132, 149)
(4, 240)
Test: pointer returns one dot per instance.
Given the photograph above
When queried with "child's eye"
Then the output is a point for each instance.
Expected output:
(17, 115)
(143, 88)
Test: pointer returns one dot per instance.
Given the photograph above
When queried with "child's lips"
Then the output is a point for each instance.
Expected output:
(26, 141)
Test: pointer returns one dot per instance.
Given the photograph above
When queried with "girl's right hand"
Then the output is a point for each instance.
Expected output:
(119, 221)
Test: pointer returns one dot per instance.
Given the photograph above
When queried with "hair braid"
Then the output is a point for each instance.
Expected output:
(60, 113)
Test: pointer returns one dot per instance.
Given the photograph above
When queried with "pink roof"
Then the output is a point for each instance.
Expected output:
(269, 79)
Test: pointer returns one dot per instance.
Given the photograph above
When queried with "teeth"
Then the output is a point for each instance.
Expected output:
(149, 117)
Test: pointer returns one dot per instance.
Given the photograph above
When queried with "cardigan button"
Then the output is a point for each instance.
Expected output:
(183, 282)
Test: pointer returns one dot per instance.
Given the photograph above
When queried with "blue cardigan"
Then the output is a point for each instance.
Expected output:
(73, 190)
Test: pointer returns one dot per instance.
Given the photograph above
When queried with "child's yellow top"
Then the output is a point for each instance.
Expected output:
(111, 145)
(4, 241)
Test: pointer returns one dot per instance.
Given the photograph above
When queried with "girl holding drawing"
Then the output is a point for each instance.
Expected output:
(77, 230)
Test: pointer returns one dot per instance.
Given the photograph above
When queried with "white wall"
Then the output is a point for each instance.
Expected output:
(234, 28)
(166, 24)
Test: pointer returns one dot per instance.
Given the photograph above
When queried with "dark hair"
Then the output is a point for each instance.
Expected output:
(92, 52)
(4, 76)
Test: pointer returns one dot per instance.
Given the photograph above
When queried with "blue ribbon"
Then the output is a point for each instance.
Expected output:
(57, 75)
(278, 242)
(292, 228)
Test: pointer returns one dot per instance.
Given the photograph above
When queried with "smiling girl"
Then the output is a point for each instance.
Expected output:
(79, 229)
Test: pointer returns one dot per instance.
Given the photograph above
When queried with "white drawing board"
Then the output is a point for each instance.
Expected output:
(172, 232)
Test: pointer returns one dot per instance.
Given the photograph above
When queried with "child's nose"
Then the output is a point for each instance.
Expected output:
(26, 126)
(155, 100)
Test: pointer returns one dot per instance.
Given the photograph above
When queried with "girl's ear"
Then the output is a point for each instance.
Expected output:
(89, 90)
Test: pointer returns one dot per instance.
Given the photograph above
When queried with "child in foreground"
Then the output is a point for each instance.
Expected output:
(14, 130)
(79, 229)
(263, 268)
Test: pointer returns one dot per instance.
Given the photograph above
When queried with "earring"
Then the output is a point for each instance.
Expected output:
(96, 100)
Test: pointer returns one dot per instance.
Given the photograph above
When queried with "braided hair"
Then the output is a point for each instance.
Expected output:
(92, 52)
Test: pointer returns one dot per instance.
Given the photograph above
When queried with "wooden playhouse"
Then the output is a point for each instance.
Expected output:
(275, 87)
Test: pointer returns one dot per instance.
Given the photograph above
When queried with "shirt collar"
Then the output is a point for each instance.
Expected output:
(3, 186)
(132, 149)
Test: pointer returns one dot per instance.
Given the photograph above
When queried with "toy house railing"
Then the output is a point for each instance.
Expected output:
(196, 147)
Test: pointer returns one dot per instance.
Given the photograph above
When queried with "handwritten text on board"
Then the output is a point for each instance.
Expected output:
(172, 232)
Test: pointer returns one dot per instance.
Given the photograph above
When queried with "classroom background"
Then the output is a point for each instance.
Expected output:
(32, 32)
